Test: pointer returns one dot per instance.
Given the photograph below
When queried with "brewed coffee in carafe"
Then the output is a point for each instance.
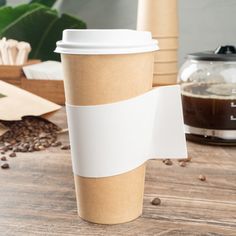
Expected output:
(208, 84)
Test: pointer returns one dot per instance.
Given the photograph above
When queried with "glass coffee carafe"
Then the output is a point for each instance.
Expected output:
(208, 85)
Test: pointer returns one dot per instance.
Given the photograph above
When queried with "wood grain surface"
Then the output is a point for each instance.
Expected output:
(37, 196)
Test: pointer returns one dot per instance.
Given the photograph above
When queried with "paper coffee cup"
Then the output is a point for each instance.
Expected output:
(159, 17)
(166, 56)
(167, 43)
(166, 79)
(161, 68)
(105, 66)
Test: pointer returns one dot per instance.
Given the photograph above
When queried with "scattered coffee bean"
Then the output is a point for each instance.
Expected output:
(65, 147)
(41, 147)
(28, 135)
(31, 149)
(202, 177)
(5, 149)
(43, 135)
(24, 150)
(183, 164)
(168, 162)
(156, 201)
(188, 159)
(5, 166)
(12, 154)
(3, 158)
(56, 144)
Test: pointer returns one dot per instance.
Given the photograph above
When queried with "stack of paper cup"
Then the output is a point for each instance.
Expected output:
(100, 67)
(160, 17)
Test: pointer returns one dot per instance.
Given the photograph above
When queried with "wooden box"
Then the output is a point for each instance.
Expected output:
(52, 90)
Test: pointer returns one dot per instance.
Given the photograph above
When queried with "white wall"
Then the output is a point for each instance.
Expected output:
(204, 24)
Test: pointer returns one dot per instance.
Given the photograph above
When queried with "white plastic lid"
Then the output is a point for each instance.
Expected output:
(105, 42)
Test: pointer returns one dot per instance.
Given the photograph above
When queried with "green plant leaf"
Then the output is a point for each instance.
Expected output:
(38, 25)
(53, 33)
(9, 14)
(48, 3)
(30, 26)
(2, 3)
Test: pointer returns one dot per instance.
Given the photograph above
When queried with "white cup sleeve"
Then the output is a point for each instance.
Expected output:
(112, 139)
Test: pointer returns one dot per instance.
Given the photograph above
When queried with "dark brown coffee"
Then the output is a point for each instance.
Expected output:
(210, 106)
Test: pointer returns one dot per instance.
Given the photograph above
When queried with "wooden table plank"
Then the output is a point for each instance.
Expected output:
(37, 196)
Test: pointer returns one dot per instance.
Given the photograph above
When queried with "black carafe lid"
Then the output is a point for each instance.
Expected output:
(222, 53)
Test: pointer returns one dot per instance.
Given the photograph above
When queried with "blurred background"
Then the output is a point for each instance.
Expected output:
(204, 24)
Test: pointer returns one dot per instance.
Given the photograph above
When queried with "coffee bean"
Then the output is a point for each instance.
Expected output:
(202, 177)
(5, 166)
(56, 144)
(12, 142)
(156, 201)
(31, 149)
(25, 145)
(183, 164)
(168, 162)
(24, 150)
(28, 135)
(188, 159)
(46, 145)
(65, 147)
(40, 147)
(43, 135)
(13, 154)
(3, 158)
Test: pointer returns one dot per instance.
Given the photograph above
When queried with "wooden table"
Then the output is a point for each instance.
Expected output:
(37, 196)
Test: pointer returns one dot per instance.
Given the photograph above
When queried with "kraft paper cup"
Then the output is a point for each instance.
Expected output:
(165, 67)
(158, 16)
(105, 66)
(167, 43)
(166, 79)
(166, 56)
